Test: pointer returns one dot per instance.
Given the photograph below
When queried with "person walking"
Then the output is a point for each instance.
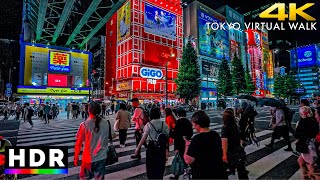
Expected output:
(204, 151)
(68, 109)
(155, 154)
(29, 114)
(94, 134)
(183, 128)
(83, 111)
(123, 124)
(46, 111)
(306, 132)
(103, 109)
(280, 129)
(54, 111)
(137, 118)
(112, 108)
(171, 122)
(233, 153)
(74, 111)
(18, 111)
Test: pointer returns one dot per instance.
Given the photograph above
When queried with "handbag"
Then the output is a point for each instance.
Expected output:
(177, 166)
(116, 125)
(112, 156)
(302, 146)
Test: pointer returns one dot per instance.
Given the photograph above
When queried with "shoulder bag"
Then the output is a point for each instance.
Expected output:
(112, 156)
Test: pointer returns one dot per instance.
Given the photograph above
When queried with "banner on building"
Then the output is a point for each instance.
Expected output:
(159, 22)
(234, 49)
(123, 22)
(264, 39)
(306, 57)
(210, 70)
(212, 43)
(59, 62)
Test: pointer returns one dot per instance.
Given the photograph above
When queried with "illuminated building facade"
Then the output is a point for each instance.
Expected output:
(308, 67)
(142, 37)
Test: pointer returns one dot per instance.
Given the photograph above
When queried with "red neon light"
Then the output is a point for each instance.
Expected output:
(57, 80)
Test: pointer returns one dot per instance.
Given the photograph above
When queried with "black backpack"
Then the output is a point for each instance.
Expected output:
(162, 139)
(30, 112)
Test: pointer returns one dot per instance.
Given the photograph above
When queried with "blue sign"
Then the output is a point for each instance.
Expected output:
(159, 22)
(8, 92)
(307, 57)
(212, 43)
(151, 73)
(8, 85)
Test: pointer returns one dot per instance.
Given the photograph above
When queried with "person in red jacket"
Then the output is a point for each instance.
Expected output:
(171, 122)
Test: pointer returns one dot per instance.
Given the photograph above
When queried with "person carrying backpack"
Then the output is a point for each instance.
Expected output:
(156, 132)
(140, 118)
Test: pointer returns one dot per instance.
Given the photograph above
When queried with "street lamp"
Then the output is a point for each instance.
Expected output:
(167, 56)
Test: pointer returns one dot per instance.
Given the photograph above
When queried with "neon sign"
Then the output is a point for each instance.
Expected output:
(59, 62)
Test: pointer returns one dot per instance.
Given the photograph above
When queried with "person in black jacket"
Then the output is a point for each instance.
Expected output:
(183, 129)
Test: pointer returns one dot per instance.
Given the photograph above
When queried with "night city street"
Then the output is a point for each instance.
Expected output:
(159, 89)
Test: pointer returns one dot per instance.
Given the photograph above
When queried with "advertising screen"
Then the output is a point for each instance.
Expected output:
(123, 22)
(159, 22)
(57, 80)
(212, 43)
(264, 39)
(37, 58)
(253, 37)
(306, 57)
(59, 62)
(270, 66)
(210, 70)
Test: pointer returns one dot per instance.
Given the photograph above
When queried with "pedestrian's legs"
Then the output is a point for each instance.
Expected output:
(155, 163)
(242, 172)
(285, 134)
(17, 115)
(138, 138)
(68, 114)
(123, 136)
(303, 167)
(82, 114)
(30, 120)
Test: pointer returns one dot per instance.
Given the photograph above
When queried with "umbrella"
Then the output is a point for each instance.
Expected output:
(248, 97)
(271, 102)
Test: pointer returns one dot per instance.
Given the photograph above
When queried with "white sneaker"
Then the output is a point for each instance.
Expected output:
(122, 145)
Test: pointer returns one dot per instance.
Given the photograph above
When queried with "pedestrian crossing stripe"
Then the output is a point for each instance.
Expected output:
(128, 168)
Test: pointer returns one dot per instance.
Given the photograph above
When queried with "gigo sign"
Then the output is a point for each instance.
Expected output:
(151, 73)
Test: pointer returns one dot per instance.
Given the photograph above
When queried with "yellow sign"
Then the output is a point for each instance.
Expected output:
(123, 22)
(293, 12)
(49, 90)
(123, 86)
(59, 58)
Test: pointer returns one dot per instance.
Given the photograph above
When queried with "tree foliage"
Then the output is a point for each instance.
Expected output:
(284, 85)
(238, 75)
(224, 79)
(249, 83)
(188, 80)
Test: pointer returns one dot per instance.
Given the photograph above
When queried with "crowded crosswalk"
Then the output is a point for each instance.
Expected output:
(262, 162)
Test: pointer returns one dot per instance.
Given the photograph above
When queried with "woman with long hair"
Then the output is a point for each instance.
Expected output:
(94, 133)
(233, 153)
(123, 118)
(171, 122)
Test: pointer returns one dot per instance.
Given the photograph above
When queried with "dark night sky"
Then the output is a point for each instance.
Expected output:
(10, 18)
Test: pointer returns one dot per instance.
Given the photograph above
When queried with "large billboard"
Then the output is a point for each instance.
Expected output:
(123, 22)
(253, 37)
(306, 57)
(212, 43)
(234, 49)
(37, 61)
(264, 39)
(209, 70)
(159, 22)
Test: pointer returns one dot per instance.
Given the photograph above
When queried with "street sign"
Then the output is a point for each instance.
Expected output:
(300, 90)
(8, 92)
(8, 85)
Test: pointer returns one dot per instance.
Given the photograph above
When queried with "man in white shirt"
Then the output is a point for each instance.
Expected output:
(280, 129)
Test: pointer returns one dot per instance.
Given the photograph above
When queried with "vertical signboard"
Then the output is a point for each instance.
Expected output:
(123, 22)
(264, 39)
(212, 43)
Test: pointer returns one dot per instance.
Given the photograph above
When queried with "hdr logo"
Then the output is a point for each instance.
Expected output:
(36, 160)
